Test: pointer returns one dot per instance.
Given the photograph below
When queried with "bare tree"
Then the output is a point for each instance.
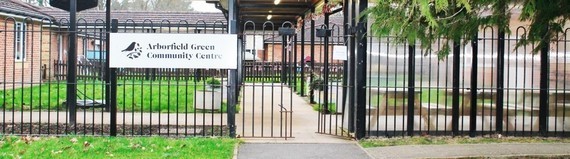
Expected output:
(172, 5)
(140, 5)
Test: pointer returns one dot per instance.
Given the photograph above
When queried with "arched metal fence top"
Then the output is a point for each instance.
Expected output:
(146, 21)
(182, 24)
(268, 24)
(203, 26)
(128, 21)
(288, 22)
(221, 23)
(245, 25)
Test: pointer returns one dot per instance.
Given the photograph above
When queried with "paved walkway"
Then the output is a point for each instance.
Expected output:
(305, 144)
(261, 118)
(301, 151)
(130, 118)
(472, 150)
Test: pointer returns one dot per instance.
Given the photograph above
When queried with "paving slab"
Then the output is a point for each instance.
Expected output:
(301, 151)
(471, 150)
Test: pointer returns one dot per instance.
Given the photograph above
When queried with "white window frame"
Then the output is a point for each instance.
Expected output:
(20, 41)
(60, 47)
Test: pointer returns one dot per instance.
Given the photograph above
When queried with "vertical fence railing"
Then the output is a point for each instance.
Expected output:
(485, 88)
(149, 101)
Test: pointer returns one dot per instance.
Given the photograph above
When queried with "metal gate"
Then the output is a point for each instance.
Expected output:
(266, 83)
(328, 80)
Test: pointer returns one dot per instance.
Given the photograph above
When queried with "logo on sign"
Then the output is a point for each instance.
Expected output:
(133, 51)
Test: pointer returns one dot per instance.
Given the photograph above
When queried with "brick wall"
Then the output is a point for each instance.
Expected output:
(27, 71)
(273, 53)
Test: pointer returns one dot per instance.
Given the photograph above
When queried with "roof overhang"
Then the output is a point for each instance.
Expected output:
(261, 11)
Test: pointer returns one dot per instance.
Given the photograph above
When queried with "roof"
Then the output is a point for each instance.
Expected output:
(23, 9)
(287, 10)
(156, 17)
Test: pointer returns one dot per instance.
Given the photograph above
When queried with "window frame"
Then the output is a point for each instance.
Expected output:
(20, 41)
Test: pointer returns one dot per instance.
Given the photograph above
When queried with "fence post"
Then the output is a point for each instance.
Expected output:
(500, 73)
(302, 91)
(361, 62)
(294, 85)
(233, 75)
(352, 67)
(544, 85)
(71, 99)
(473, 112)
(326, 70)
(411, 88)
(312, 75)
(113, 85)
(284, 60)
(455, 87)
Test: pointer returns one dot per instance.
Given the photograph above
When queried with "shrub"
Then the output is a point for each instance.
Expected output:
(214, 83)
(317, 84)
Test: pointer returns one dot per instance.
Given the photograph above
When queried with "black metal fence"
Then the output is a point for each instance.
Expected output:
(167, 102)
(486, 87)
(483, 88)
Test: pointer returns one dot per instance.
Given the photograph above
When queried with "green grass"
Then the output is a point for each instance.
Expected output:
(435, 96)
(263, 80)
(146, 96)
(332, 107)
(118, 147)
(298, 86)
(396, 141)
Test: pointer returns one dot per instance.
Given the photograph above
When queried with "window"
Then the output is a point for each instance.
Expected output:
(60, 47)
(20, 41)
(85, 46)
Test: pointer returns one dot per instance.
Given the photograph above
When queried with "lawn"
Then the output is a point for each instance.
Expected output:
(332, 107)
(115, 147)
(146, 96)
(396, 141)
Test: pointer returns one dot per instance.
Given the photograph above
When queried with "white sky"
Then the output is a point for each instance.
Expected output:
(202, 6)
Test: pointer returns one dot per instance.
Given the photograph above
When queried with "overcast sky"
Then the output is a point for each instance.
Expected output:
(202, 6)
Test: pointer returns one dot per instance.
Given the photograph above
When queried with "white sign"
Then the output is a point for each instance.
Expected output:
(253, 42)
(143, 50)
(339, 53)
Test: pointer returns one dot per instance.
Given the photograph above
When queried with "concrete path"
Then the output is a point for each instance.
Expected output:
(301, 151)
(471, 150)
(261, 119)
(130, 118)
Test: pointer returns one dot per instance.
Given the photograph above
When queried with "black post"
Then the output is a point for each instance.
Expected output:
(232, 81)
(302, 91)
(113, 82)
(500, 73)
(544, 84)
(500, 80)
(284, 60)
(352, 68)
(326, 66)
(107, 66)
(473, 112)
(411, 87)
(361, 60)
(72, 63)
(345, 69)
(295, 64)
(455, 87)
(312, 75)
